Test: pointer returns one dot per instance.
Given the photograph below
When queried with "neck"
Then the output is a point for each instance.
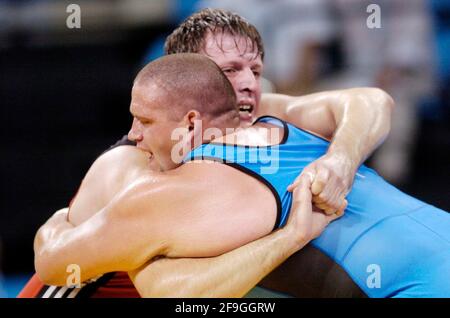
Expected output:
(224, 122)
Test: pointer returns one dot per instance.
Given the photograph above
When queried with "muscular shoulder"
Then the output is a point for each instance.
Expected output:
(201, 209)
(118, 164)
(220, 208)
(105, 178)
(310, 112)
(296, 110)
(274, 105)
(125, 155)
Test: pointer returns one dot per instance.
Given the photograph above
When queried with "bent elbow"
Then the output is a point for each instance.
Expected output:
(47, 270)
(379, 99)
(380, 104)
(385, 105)
(383, 99)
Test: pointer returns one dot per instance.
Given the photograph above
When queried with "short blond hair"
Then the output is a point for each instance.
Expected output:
(189, 37)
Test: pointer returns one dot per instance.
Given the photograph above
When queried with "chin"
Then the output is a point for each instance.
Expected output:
(246, 122)
(246, 118)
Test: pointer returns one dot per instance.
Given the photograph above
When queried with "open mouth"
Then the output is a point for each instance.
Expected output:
(245, 110)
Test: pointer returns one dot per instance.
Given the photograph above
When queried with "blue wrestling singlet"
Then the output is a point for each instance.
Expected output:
(389, 243)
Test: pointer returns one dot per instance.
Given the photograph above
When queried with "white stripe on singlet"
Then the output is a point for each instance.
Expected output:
(74, 293)
(49, 291)
(60, 292)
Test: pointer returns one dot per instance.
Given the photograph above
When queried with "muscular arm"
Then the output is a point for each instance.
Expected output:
(231, 274)
(162, 215)
(355, 120)
(234, 273)
(95, 246)
(106, 178)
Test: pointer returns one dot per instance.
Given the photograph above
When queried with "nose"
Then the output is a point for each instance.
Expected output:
(247, 81)
(135, 133)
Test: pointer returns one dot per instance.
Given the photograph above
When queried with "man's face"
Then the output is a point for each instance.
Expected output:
(243, 67)
(152, 125)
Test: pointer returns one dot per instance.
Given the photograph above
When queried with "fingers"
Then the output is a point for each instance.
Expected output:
(330, 211)
(302, 203)
(302, 191)
(341, 210)
(332, 217)
(327, 187)
(301, 210)
(323, 206)
(330, 205)
(320, 180)
(305, 174)
(328, 191)
(319, 221)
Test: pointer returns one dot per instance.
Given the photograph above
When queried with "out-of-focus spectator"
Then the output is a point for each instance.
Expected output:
(399, 58)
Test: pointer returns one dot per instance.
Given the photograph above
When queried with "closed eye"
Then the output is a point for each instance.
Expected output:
(143, 121)
(228, 70)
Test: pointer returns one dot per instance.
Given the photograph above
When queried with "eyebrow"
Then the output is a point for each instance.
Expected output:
(134, 114)
(142, 117)
(239, 63)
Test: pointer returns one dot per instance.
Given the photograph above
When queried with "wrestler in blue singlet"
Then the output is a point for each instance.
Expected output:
(384, 232)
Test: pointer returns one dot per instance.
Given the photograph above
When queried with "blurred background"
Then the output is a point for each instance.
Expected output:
(64, 93)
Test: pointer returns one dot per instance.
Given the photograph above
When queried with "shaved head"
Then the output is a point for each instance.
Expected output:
(189, 82)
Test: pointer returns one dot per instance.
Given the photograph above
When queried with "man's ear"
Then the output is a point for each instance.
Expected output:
(193, 122)
(190, 119)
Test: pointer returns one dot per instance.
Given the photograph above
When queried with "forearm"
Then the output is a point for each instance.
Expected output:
(229, 275)
(46, 241)
(59, 244)
(356, 120)
(362, 117)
